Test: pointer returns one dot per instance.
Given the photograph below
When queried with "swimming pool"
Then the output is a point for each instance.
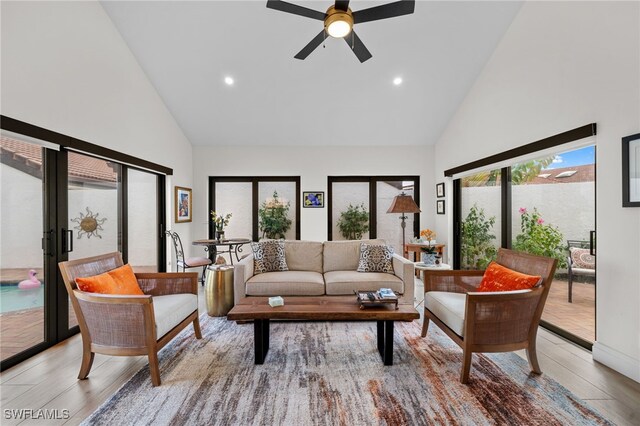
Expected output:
(13, 298)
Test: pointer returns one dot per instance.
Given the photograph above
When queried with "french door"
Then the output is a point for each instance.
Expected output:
(57, 205)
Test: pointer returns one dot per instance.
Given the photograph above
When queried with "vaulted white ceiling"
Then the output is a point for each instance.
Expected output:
(187, 49)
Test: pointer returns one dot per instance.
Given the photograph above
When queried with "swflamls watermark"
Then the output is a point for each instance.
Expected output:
(39, 414)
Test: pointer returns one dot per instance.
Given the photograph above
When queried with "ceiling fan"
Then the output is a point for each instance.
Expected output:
(339, 21)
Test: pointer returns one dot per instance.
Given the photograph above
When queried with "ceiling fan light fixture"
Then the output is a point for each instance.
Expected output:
(338, 23)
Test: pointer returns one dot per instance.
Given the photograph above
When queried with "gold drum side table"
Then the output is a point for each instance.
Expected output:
(218, 290)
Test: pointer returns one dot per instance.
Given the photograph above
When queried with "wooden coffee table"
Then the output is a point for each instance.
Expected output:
(321, 308)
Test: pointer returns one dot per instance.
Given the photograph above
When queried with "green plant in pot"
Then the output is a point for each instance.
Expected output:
(273, 217)
(477, 249)
(540, 238)
(354, 222)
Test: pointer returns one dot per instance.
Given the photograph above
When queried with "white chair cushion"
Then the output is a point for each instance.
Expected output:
(195, 261)
(171, 310)
(448, 307)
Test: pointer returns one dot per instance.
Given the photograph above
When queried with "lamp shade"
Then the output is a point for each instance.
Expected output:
(403, 203)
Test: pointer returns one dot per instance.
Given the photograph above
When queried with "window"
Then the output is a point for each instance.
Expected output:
(374, 194)
(244, 197)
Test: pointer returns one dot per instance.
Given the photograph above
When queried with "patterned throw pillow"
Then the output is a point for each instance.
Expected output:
(499, 278)
(268, 256)
(375, 258)
(581, 258)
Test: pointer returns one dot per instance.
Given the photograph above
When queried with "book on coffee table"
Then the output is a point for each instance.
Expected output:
(375, 298)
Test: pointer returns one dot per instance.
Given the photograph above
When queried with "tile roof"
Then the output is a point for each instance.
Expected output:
(81, 167)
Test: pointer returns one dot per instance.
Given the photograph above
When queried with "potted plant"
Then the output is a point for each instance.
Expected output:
(273, 217)
(429, 250)
(219, 222)
(477, 249)
(354, 222)
(540, 238)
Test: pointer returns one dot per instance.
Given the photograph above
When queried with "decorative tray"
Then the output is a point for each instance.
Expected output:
(365, 301)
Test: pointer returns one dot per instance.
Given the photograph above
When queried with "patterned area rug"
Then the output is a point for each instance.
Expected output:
(330, 373)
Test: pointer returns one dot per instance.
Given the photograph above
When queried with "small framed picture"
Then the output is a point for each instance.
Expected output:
(440, 190)
(183, 204)
(631, 171)
(313, 199)
(440, 207)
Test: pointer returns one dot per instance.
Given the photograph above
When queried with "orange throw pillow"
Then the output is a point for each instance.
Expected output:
(121, 280)
(499, 278)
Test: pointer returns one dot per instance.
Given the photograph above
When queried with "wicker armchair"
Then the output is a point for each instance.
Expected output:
(488, 322)
(131, 325)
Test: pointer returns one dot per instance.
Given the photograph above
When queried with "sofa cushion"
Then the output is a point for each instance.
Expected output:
(171, 310)
(269, 256)
(290, 283)
(120, 281)
(343, 255)
(500, 278)
(448, 307)
(303, 255)
(375, 258)
(346, 282)
(582, 258)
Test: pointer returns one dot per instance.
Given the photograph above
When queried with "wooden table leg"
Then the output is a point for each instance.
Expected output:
(385, 341)
(261, 339)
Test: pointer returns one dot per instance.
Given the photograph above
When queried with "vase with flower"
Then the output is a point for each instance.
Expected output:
(219, 222)
(428, 255)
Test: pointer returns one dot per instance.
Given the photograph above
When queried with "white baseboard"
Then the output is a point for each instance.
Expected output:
(622, 363)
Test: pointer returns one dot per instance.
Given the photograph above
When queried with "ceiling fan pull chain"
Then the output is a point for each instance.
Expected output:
(353, 43)
(324, 38)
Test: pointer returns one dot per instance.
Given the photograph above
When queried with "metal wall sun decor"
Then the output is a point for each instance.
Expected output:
(89, 224)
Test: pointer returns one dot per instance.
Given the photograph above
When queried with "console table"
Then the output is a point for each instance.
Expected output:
(417, 248)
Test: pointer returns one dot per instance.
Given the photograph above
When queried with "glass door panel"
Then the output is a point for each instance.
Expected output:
(236, 198)
(286, 192)
(344, 195)
(142, 220)
(553, 202)
(480, 214)
(388, 226)
(22, 283)
(94, 226)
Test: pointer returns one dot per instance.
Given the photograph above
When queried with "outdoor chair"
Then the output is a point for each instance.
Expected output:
(492, 321)
(579, 262)
(130, 325)
(191, 262)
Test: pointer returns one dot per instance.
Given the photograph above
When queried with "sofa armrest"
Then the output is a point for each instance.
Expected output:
(243, 270)
(405, 270)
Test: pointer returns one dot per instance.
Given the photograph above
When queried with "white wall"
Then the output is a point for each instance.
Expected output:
(66, 68)
(313, 165)
(562, 65)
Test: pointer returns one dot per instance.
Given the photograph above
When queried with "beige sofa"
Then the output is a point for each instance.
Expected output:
(317, 269)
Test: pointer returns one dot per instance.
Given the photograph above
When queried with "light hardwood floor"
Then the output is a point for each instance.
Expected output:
(48, 380)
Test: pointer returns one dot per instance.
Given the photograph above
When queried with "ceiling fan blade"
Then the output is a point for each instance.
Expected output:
(342, 5)
(358, 47)
(317, 40)
(390, 10)
(283, 6)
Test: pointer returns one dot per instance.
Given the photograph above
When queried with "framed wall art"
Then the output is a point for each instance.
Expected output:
(313, 199)
(440, 207)
(183, 204)
(631, 171)
(440, 190)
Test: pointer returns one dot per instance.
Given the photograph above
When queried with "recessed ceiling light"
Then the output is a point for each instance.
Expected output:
(228, 81)
(397, 81)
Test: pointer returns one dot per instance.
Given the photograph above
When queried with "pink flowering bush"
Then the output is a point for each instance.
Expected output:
(538, 238)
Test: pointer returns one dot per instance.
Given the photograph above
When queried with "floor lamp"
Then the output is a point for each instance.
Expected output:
(403, 204)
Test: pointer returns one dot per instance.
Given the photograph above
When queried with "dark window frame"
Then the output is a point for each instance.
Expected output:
(255, 201)
(373, 202)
